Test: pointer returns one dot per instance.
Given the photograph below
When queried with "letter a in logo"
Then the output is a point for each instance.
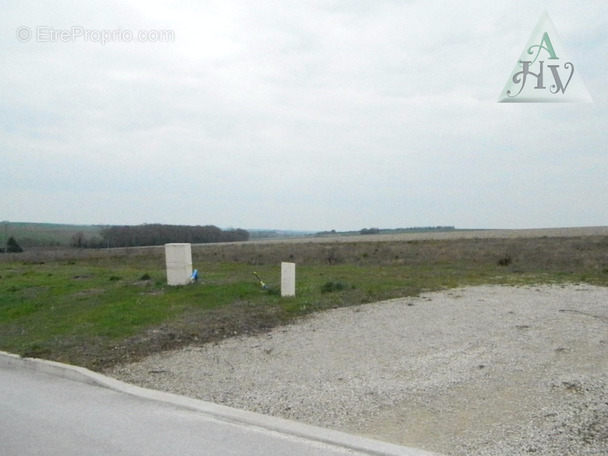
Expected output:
(544, 73)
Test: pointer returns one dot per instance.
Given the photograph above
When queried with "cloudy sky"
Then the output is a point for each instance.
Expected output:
(311, 115)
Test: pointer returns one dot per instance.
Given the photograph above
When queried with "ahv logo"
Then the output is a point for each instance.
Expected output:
(544, 73)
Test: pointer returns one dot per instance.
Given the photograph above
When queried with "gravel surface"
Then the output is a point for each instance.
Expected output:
(485, 370)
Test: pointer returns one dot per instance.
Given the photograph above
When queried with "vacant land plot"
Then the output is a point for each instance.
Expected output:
(488, 370)
(488, 367)
(96, 308)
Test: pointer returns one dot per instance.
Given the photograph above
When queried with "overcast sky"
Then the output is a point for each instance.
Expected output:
(311, 115)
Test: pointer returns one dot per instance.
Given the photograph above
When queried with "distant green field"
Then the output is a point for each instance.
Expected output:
(44, 234)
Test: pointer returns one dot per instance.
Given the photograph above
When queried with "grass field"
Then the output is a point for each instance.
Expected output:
(44, 234)
(96, 308)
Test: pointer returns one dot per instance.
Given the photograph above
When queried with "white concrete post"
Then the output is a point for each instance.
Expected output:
(288, 279)
(179, 263)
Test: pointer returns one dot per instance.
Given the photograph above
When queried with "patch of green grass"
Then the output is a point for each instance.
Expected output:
(99, 310)
(46, 234)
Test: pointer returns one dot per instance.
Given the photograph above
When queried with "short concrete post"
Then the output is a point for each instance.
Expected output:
(179, 263)
(288, 279)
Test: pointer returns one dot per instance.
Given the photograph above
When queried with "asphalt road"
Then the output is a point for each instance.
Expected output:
(42, 414)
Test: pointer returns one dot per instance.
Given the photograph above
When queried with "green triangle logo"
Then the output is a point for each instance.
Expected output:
(544, 73)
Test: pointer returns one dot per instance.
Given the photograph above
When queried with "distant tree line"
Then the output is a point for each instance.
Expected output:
(428, 228)
(157, 234)
(370, 231)
(416, 229)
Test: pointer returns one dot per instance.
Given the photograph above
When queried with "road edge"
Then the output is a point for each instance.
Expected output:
(217, 411)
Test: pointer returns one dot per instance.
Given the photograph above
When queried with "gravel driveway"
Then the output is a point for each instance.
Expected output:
(485, 370)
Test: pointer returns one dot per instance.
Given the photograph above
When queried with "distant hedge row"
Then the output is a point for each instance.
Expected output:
(158, 234)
